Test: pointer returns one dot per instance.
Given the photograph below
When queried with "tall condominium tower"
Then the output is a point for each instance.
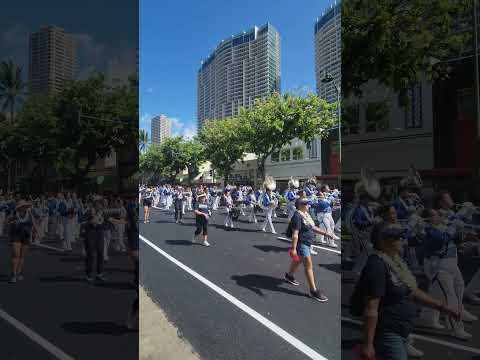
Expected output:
(52, 59)
(161, 129)
(240, 70)
(328, 48)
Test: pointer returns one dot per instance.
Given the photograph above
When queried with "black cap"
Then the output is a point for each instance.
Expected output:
(301, 201)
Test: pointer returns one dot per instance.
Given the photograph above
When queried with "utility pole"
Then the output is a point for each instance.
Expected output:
(477, 80)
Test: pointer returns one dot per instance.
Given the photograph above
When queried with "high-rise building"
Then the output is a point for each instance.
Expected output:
(240, 70)
(52, 59)
(328, 48)
(161, 129)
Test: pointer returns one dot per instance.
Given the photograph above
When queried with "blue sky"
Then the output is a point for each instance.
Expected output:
(175, 35)
(106, 32)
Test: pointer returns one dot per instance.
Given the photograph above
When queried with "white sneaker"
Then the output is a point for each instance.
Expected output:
(313, 252)
(274, 232)
(206, 243)
(255, 221)
(468, 317)
(335, 237)
(233, 227)
(413, 352)
(462, 334)
(264, 230)
(333, 244)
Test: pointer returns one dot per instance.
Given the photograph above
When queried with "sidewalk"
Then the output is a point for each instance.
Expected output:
(159, 339)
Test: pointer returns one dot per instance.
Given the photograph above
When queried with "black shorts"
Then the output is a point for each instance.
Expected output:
(16, 237)
(147, 202)
(202, 225)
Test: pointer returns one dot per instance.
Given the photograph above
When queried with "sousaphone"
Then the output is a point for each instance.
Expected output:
(293, 183)
(368, 185)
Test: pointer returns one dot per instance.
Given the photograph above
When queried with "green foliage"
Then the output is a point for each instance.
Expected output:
(274, 122)
(396, 42)
(165, 161)
(70, 130)
(12, 87)
(224, 143)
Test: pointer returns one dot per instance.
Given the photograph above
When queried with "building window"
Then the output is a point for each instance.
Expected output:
(413, 109)
(351, 120)
(275, 156)
(285, 155)
(377, 116)
(312, 147)
(297, 153)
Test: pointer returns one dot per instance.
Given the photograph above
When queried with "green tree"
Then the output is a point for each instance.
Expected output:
(194, 156)
(224, 143)
(152, 165)
(12, 87)
(94, 119)
(396, 42)
(12, 90)
(174, 157)
(274, 122)
(143, 140)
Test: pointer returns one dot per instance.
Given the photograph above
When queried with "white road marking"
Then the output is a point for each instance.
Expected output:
(428, 339)
(315, 246)
(312, 354)
(52, 349)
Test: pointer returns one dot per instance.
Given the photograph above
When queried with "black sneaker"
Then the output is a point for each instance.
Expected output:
(89, 278)
(319, 296)
(101, 278)
(19, 277)
(13, 280)
(290, 279)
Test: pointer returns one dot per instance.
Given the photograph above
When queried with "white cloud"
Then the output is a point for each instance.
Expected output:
(120, 68)
(189, 133)
(145, 122)
(149, 90)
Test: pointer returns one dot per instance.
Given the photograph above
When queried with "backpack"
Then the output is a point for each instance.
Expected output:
(358, 298)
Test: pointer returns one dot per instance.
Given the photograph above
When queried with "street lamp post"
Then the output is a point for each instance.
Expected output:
(328, 78)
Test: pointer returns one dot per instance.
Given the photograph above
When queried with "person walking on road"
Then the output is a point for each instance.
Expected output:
(94, 245)
(21, 228)
(386, 295)
(202, 216)
(302, 228)
(178, 202)
(147, 205)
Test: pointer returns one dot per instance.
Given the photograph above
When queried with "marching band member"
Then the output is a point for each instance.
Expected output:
(178, 204)
(268, 204)
(228, 207)
(250, 203)
(325, 219)
(446, 281)
(362, 218)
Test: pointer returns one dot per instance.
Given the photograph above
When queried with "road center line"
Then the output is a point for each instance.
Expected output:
(48, 247)
(315, 246)
(428, 339)
(52, 349)
(312, 354)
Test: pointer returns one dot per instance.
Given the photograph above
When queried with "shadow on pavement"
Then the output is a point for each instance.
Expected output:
(179, 242)
(271, 248)
(257, 283)
(115, 285)
(96, 327)
(332, 267)
(222, 227)
(54, 279)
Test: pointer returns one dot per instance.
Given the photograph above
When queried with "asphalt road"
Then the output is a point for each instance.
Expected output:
(222, 312)
(435, 344)
(54, 308)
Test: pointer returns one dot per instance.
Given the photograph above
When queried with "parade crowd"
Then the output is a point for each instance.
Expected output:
(409, 256)
(93, 225)
(311, 210)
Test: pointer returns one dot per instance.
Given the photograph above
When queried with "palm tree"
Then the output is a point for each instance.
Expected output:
(143, 140)
(12, 87)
